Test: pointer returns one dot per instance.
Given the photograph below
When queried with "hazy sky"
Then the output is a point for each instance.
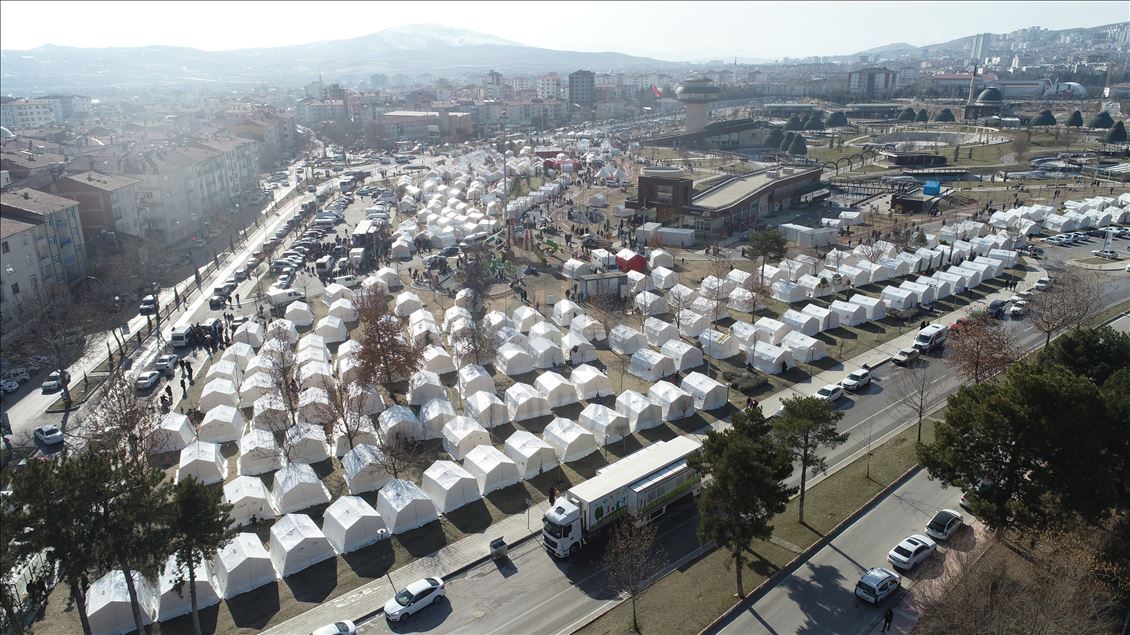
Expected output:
(691, 31)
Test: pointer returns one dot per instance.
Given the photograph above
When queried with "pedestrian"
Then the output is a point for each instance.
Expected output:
(236, 302)
(888, 617)
(183, 388)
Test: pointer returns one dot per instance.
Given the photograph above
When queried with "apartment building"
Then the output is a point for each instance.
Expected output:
(549, 86)
(274, 132)
(105, 202)
(20, 114)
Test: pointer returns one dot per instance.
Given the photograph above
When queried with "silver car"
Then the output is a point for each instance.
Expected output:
(414, 597)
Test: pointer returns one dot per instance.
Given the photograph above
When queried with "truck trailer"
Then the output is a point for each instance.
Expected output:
(641, 485)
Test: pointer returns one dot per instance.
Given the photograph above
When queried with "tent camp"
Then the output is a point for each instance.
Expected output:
(801, 322)
(461, 434)
(530, 454)
(590, 382)
(513, 360)
(175, 599)
(770, 359)
(605, 424)
(524, 317)
(577, 349)
(717, 344)
(351, 523)
(664, 278)
(491, 468)
(404, 506)
(425, 385)
(708, 394)
(221, 424)
(564, 311)
(204, 462)
(569, 441)
(364, 469)
(804, 348)
(258, 453)
(545, 353)
(434, 414)
(296, 487)
(524, 402)
(406, 303)
(691, 324)
(172, 434)
(299, 314)
(625, 340)
(588, 327)
(486, 408)
(641, 413)
(650, 365)
(674, 402)
(449, 486)
(472, 378)
(660, 258)
(218, 392)
(240, 566)
(108, 606)
(876, 308)
(249, 498)
(297, 544)
(650, 304)
(557, 390)
(437, 360)
(685, 356)
(827, 318)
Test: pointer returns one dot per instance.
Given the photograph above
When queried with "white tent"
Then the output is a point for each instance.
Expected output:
(691, 324)
(546, 330)
(218, 392)
(770, 359)
(334, 292)
(546, 353)
(590, 382)
(299, 314)
(876, 308)
(250, 333)
(344, 310)
(108, 605)
(269, 413)
(203, 461)
(225, 370)
(425, 385)
(404, 506)
(315, 374)
(524, 402)
(239, 353)
(400, 420)
(923, 292)
(744, 333)
(491, 468)
(770, 330)
(486, 408)
(680, 296)
(708, 394)
(434, 414)
(664, 278)
(828, 318)
(524, 317)
(282, 330)
(531, 455)
(801, 322)
(717, 344)
(577, 349)
(350, 523)
(605, 424)
(221, 424)
(657, 332)
(674, 402)
(741, 300)
(332, 328)
(557, 390)
(898, 299)
(588, 327)
(639, 282)
(712, 310)
(258, 453)
(249, 498)
(685, 356)
(175, 598)
(804, 348)
(242, 565)
(461, 434)
(785, 291)
(574, 268)
(564, 312)
(714, 288)
(847, 313)
(641, 413)
(452, 315)
(650, 365)
(513, 360)
(297, 487)
(569, 441)
(297, 544)
(650, 304)
(449, 486)
(364, 469)
(972, 276)
(625, 340)
(472, 378)
(660, 258)
(254, 387)
(406, 303)
(172, 434)
(306, 443)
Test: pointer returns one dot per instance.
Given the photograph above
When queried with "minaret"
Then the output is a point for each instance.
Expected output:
(972, 85)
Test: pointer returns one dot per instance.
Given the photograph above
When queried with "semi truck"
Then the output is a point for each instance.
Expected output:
(640, 485)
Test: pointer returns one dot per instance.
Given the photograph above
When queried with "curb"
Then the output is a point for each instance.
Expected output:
(804, 556)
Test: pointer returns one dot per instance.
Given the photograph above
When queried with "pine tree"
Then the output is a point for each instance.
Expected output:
(200, 526)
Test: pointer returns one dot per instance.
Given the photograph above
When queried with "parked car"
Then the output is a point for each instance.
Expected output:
(18, 374)
(48, 434)
(981, 487)
(9, 386)
(911, 552)
(877, 584)
(414, 597)
(906, 356)
(217, 302)
(831, 392)
(1018, 310)
(148, 305)
(944, 524)
(996, 309)
(147, 380)
(857, 379)
(312, 188)
(1109, 254)
(167, 363)
(55, 381)
(344, 627)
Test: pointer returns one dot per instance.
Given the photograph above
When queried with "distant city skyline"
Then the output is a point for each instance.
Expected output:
(693, 32)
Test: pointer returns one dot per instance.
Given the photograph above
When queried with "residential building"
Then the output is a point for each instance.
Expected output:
(71, 106)
(31, 167)
(871, 82)
(107, 202)
(549, 86)
(582, 90)
(378, 81)
(275, 133)
(318, 110)
(419, 125)
(907, 77)
(981, 47)
(18, 114)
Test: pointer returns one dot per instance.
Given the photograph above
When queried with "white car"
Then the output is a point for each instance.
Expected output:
(857, 379)
(55, 381)
(831, 393)
(1018, 310)
(147, 379)
(344, 627)
(167, 363)
(413, 598)
(48, 435)
(911, 551)
(944, 524)
(877, 584)
(1043, 284)
(9, 386)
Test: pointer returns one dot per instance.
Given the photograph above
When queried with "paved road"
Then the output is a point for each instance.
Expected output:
(819, 596)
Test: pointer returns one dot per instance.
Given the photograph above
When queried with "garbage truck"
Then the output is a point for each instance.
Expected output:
(641, 485)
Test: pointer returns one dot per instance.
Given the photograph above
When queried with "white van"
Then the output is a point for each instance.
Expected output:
(931, 338)
(328, 223)
(324, 264)
(283, 297)
(179, 336)
(348, 281)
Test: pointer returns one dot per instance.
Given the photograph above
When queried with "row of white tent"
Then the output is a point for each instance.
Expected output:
(1097, 211)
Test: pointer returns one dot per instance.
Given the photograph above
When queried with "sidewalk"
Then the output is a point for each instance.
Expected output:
(368, 599)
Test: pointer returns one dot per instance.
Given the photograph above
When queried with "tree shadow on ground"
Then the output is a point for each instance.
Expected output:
(422, 541)
(315, 583)
(372, 561)
(255, 608)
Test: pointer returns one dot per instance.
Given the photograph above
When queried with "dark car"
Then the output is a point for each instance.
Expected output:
(450, 252)
(996, 309)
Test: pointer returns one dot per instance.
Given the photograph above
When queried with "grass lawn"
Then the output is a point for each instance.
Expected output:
(687, 599)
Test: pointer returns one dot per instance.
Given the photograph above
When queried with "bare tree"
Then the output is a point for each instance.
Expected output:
(343, 411)
(631, 559)
(676, 304)
(915, 390)
(869, 251)
(283, 372)
(474, 345)
(121, 423)
(981, 347)
(1074, 297)
(57, 329)
(387, 354)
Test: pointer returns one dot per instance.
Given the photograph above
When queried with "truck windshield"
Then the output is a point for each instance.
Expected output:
(551, 528)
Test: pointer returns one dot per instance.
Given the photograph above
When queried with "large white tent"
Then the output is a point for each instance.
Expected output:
(204, 462)
(577, 349)
(587, 327)
(223, 369)
(253, 387)
(250, 333)
(242, 565)
(524, 402)
(524, 317)
(513, 360)
(221, 424)
(625, 340)
(249, 498)
(172, 434)
(299, 314)
(258, 453)
(425, 385)
(404, 506)
(828, 318)
(875, 307)
(664, 278)
(406, 303)
(332, 328)
(400, 420)
(296, 487)
(530, 454)
(708, 394)
(547, 331)
(804, 348)
(218, 392)
(657, 332)
(691, 324)
(650, 365)
(461, 434)
(350, 523)
(564, 312)
(605, 424)
(240, 353)
(770, 359)
(674, 402)
(364, 469)
(486, 408)
(545, 353)
(590, 382)
(306, 443)
(108, 606)
(641, 413)
(472, 378)
(437, 360)
(297, 544)
(491, 468)
(434, 414)
(449, 486)
(684, 355)
(569, 441)
(175, 599)
(847, 313)
(557, 390)
(717, 344)
(801, 322)
(650, 304)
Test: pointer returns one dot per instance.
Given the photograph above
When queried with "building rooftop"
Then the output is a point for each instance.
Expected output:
(108, 182)
(10, 226)
(737, 190)
(34, 202)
